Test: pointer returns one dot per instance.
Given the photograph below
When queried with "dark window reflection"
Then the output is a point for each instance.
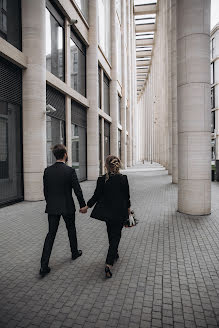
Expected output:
(55, 134)
(54, 43)
(106, 139)
(119, 110)
(10, 152)
(106, 90)
(100, 145)
(99, 87)
(78, 65)
(10, 21)
(119, 143)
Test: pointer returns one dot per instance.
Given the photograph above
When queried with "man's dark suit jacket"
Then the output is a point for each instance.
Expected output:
(112, 199)
(58, 181)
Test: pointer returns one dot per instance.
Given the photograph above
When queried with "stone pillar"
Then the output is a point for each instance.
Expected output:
(169, 79)
(34, 98)
(124, 87)
(113, 83)
(92, 94)
(193, 101)
(67, 98)
(129, 83)
(174, 94)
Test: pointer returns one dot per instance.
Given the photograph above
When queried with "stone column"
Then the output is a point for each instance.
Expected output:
(193, 101)
(113, 83)
(128, 114)
(169, 79)
(92, 94)
(67, 98)
(34, 98)
(124, 87)
(174, 94)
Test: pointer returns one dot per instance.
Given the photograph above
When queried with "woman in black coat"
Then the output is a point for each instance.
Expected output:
(112, 200)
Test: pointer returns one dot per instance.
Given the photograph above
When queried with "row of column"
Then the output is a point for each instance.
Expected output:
(175, 105)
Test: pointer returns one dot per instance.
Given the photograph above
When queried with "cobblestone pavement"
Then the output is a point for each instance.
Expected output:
(167, 274)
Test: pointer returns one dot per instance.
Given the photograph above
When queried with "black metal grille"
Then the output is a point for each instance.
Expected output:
(78, 114)
(57, 100)
(10, 82)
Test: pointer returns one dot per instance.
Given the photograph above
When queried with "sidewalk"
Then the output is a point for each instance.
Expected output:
(167, 274)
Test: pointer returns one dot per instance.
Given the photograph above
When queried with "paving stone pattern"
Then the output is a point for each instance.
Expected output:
(167, 274)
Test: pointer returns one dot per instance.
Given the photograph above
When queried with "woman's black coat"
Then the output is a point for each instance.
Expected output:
(112, 199)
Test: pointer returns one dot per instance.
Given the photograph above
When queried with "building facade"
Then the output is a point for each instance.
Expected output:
(214, 52)
(66, 77)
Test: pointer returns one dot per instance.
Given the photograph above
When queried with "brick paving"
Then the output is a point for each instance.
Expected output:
(167, 274)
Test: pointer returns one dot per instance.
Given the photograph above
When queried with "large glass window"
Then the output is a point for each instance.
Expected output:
(119, 110)
(212, 74)
(212, 121)
(55, 56)
(119, 49)
(119, 143)
(104, 7)
(100, 145)
(10, 21)
(106, 139)
(212, 97)
(212, 48)
(106, 91)
(55, 134)
(79, 140)
(84, 7)
(99, 87)
(11, 185)
(78, 65)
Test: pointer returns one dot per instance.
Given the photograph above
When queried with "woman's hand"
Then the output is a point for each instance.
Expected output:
(83, 209)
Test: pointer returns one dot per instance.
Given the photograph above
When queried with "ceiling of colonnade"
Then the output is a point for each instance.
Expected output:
(145, 25)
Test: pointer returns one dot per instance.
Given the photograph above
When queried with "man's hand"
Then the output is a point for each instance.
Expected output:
(129, 210)
(83, 209)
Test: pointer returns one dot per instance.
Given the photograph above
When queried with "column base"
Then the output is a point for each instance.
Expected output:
(194, 197)
(33, 186)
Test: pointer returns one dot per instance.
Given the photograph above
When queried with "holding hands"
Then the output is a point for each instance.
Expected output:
(83, 209)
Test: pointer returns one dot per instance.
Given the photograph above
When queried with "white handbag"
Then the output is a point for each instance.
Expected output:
(131, 221)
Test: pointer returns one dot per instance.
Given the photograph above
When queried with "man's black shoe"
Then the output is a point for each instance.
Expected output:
(44, 271)
(75, 256)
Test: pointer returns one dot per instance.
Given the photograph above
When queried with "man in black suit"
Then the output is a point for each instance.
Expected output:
(58, 181)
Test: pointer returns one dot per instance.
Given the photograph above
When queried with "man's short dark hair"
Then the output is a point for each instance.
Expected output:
(59, 151)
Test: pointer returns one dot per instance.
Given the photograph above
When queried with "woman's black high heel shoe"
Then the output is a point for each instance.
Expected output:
(108, 272)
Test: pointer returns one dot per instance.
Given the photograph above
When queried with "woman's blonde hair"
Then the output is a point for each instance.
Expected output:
(112, 165)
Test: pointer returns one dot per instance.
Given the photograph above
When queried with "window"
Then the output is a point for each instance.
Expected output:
(106, 139)
(100, 145)
(106, 91)
(104, 7)
(119, 143)
(119, 49)
(99, 87)
(212, 121)
(55, 56)
(212, 98)
(10, 21)
(212, 47)
(78, 64)
(79, 139)
(11, 180)
(119, 110)
(84, 7)
(55, 134)
(212, 74)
